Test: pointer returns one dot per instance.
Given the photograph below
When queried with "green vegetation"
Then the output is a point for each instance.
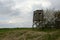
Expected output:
(29, 34)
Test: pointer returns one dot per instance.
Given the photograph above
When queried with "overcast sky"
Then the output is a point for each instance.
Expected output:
(18, 13)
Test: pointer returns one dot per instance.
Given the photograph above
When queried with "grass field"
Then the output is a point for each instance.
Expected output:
(29, 34)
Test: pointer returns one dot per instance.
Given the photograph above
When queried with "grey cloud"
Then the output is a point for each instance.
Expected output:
(15, 13)
(5, 8)
(7, 26)
(55, 4)
(20, 1)
(35, 7)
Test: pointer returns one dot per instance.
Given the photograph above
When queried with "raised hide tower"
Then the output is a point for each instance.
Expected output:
(38, 18)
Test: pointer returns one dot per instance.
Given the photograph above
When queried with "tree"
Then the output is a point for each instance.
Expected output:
(57, 19)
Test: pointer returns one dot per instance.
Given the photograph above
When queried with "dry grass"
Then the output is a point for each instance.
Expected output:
(29, 35)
